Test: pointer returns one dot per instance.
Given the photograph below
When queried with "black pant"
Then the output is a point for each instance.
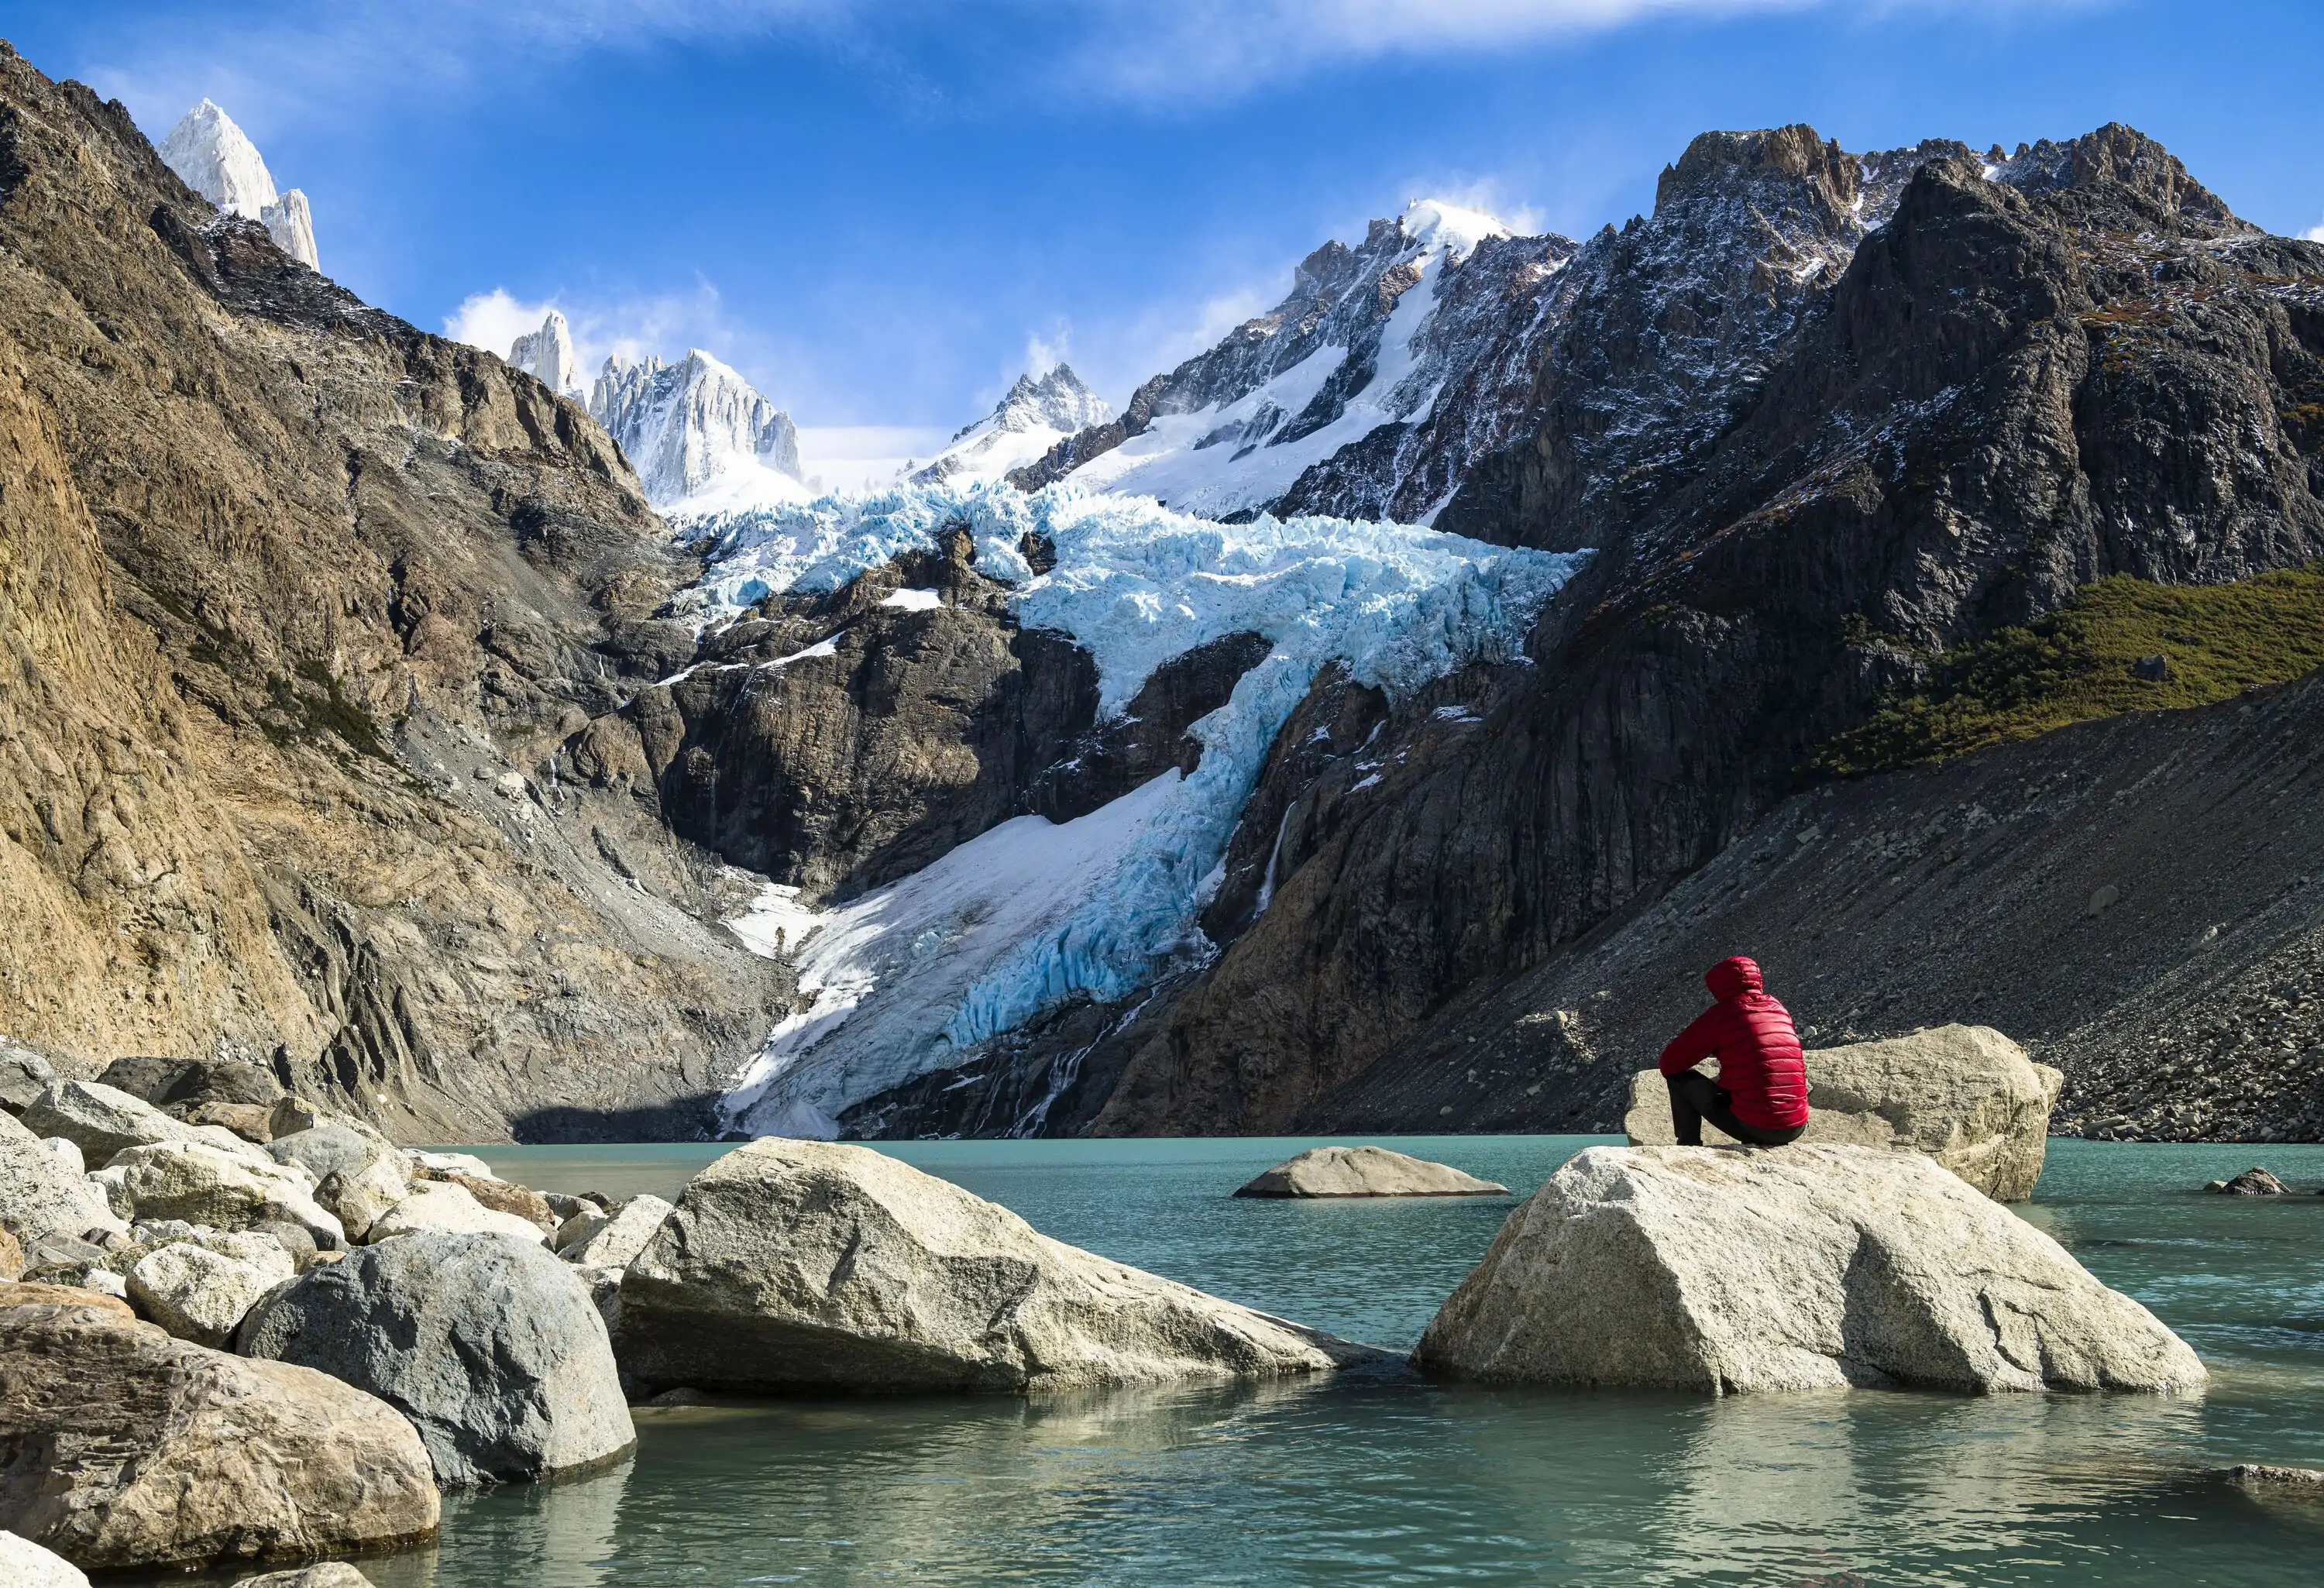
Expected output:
(1696, 1097)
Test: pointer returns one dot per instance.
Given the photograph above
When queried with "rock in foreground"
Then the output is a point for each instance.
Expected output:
(1366, 1171)
(25, 1565)
(1964, 1095)
(489, 1345)
(121, 1448)
(1799, 1268)
(810, 1266)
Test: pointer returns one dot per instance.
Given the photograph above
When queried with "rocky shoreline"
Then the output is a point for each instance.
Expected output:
(302, 1341)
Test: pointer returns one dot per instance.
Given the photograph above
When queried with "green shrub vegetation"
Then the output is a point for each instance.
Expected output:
(2082, 661)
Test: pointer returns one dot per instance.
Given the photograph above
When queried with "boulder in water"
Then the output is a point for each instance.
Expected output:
(331, 1573)
(811, 1266)
(489, 1345)
(1366, 1171)
(1795, 1268)
(1964, 1095)
(2252, 1182)
(128, 1449)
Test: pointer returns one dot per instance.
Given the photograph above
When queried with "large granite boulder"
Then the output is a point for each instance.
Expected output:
(104, 1123)
(1795, 1268)
(811, 1266)
(615, 1239)
(441, 1207)
(200, 1289)
(1964, 1095)
(489, 1345)
(197, 1182)
(25, 1565)
(490, 1191)
(43, 1193)
(182, 1085)
(24, 1074)
(1366, 1171)
(122, 1448)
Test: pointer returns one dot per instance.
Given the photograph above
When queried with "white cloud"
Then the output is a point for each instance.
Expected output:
(2316, 233)
(1042, 354)
(665, 326)
(849, 456)
(493, 320)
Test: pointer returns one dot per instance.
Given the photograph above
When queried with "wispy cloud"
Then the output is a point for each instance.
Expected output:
(2315, 231)
(665, 326)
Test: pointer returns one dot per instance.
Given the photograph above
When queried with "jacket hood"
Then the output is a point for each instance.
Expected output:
(1733, 977)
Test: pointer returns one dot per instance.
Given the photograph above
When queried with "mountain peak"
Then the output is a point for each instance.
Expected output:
(548, 354)
(695, 429)
(215, 157)
(1432, 223)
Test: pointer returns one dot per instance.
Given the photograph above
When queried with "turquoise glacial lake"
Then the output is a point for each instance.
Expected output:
(1391, 1479)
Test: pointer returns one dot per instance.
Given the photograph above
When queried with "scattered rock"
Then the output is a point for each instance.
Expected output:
(576, 1229)
(1964, 1095)
(500, 1196)
(805, 1265)
(249, 1121)
(105, 1122)
(359, 1175)
(2152, 669)
(2252, 1182)
(443, 1208)
(1366, 1171)
(122, 1448)
(565, 1207)
(178, 1084)
(42, 1194)
(616, 1242)
(292, 1115)
(1799, 1268)
(24, 1075)
(25, 1565)
(412, 1320)
(34, 1295)
(200, 1290)
(454, 1163)
(12, 1256)
(194, 1181)
(335, 1573)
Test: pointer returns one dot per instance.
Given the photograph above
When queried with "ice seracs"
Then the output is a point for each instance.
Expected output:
(1035, 414)
(217, 159)
(910, 978)
(548, 356)
(701, 439)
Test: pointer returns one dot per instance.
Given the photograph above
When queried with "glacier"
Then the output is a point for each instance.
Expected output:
(910, 978)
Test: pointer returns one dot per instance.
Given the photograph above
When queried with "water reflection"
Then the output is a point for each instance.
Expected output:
(563, 1532)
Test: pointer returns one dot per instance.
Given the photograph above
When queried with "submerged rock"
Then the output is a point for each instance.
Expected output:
(797, 1265)
(332, 1574)
(1797, 1268)
(122, 1448)
(1964, 1095)
(1366, 1171)
(489, 1345)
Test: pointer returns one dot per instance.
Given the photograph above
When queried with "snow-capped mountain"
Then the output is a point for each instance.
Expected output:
(1034, 415)
(548, 356)
(701, 439)
(1439, 305)
(217, 159)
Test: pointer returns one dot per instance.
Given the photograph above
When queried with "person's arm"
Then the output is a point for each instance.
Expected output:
(1698, 1042)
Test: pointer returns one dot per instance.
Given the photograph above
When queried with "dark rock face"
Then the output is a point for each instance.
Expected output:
(180, 1084)
(2015, 385)
(280, 576)
(1150, 736)
(837, 742)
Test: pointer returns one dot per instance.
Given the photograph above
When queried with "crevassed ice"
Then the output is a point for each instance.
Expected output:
(1032, 913)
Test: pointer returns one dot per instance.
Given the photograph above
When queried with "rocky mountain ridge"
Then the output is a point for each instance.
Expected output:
(1033, 415)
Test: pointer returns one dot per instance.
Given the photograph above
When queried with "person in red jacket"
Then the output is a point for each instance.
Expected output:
(1761, 1096)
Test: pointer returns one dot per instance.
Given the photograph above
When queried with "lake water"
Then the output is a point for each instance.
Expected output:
(1390, 1478)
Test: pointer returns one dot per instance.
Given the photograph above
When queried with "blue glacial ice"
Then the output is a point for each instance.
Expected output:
(913, 975)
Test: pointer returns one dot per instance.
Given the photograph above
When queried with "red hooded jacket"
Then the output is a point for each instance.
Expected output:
(1759, 1052)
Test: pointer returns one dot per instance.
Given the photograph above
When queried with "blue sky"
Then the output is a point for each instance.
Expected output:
(880, 211)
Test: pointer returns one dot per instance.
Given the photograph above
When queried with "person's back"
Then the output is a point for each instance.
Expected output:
(1761, 1096)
